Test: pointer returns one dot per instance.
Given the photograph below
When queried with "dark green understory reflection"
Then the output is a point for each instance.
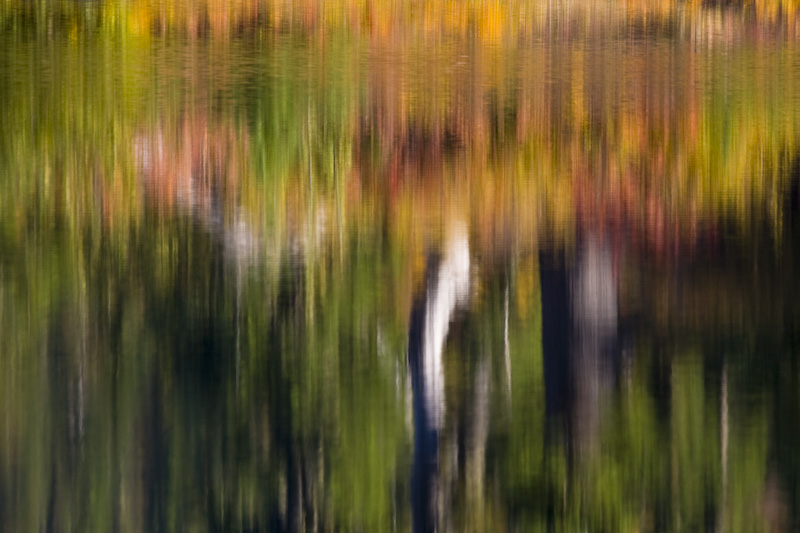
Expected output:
(144, 394)
(257, 276)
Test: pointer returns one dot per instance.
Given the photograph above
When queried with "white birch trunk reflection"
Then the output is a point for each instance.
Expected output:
(447, 288)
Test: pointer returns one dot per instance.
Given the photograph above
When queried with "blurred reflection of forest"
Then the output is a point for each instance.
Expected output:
(230, 233)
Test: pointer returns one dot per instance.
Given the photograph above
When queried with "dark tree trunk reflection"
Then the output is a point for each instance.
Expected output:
(579, 338)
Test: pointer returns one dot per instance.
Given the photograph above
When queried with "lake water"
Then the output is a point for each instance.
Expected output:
(361, 265)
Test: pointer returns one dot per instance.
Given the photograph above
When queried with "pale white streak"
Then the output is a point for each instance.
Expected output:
(594, 291)
(240, 240)
(506, 347)
(479, 432)
(594, 307)
(449, 290)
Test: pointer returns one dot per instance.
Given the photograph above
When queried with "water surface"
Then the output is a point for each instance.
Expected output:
(370, 266)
